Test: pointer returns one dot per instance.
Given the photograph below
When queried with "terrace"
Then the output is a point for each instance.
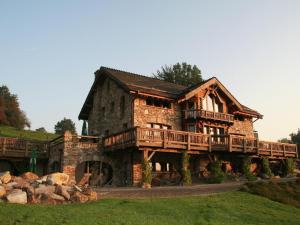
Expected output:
(195, 143)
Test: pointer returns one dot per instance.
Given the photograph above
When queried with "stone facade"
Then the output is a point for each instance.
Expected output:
(145, 114)
(242, 128)
(111, 111)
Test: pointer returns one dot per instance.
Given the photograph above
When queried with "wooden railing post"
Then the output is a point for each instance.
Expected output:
(283, 150)
(229, 143)
(188, 142)
(244, 144)
(209, 143)
(164, 139)
(271, 150)
(4, 146)
(26, 148)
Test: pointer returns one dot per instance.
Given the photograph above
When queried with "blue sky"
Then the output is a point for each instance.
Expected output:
(50, 50)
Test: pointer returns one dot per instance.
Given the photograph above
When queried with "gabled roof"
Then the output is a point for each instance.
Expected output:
(189, 92)
(131, 82)
(136, 83)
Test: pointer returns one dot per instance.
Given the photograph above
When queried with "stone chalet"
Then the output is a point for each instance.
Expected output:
(139, 117)
(132, 118)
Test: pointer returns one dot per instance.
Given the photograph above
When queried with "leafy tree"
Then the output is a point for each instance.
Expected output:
(41, 129)
(65, 124)
(285, 140)
(184, 74)
(10, 112)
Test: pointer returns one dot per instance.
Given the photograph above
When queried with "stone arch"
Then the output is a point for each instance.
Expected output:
(100, 169)
(7, 165)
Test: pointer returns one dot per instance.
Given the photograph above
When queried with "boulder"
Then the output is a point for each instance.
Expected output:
(63, 191)
(30, 176)
(92, 195)
(2, 192)
(21, 182)
(78, 197)
(45, 190)
(57, 197)
(11, 186)
(17, 197)
(57, 178)
(5, 177)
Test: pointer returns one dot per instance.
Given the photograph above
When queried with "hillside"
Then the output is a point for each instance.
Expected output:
(226, 208)
(6, 131)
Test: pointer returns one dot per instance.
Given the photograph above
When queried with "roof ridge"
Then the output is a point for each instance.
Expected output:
(136, 74)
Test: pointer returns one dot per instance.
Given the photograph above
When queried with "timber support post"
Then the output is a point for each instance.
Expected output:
(229, 143)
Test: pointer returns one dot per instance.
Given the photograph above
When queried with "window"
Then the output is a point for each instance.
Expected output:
(112, 107)
(122, 106)
(162, 103)
(158, 126)
(212, 103)
(191, 128)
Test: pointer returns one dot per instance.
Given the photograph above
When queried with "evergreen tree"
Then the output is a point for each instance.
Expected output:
(84, 131)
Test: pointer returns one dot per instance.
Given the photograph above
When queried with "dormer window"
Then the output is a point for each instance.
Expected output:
(157, 102)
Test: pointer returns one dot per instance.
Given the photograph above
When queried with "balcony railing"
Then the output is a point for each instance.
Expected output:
(15, 147)
(172, 140)
(204, 114)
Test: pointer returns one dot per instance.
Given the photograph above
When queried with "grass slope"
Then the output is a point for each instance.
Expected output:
(226, 208)
(284, 192)
(6, 131)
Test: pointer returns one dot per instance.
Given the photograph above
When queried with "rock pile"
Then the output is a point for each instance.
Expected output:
(54, 188)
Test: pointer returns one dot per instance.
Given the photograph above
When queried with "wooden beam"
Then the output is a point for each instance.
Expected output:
(151, 155)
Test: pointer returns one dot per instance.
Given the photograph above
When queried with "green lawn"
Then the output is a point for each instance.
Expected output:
(6, 131)
(227, 208)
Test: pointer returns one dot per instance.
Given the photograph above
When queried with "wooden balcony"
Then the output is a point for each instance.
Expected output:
(204, 114)
(19, 148)
(195, 143)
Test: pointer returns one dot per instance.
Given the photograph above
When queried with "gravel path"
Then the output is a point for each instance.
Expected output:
(165, 192)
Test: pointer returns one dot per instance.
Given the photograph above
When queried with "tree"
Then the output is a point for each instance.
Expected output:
(41, 129)
(285, 140)
(295, 137)
(10, 112)
(184, 74)
(84, 131)
(65, 124)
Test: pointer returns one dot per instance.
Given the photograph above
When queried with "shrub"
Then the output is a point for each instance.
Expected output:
(289, 166)
(186, 173)
(246, 169)
(266, 167)
(147, 172)
(217, 175)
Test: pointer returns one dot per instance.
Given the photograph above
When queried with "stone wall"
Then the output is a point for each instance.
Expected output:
(242, 127)
(108, 96)
(144, 114)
